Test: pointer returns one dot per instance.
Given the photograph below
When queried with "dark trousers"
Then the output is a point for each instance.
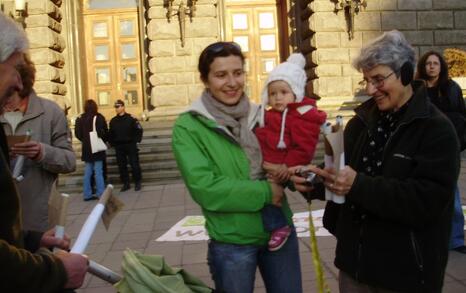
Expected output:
(124, 153)
(273, 218)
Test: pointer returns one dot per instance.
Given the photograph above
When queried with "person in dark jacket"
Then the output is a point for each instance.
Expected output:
(24, 266)
(402, 166)
(94, 161)
(447, 96)
(125, 133)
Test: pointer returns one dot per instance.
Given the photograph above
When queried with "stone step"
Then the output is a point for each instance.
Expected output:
(146, 166)
(147, 145)
(157, 162)
(78, 188)
(113, 178)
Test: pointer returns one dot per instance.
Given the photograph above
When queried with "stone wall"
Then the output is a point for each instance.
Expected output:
(44, 29)
(427, 24)
(173, 68)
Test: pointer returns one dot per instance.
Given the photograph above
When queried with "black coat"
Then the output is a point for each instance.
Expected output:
(393, 230)
(453, 106)
(124, 129)
(83, 127)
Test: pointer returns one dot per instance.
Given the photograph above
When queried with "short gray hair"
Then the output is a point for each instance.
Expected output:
(12, 38)
(390, 49)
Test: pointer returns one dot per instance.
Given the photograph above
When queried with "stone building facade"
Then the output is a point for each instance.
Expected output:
(170, 48)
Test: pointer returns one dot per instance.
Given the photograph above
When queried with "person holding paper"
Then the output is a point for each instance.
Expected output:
(49, 151)
(402, 159)
(220, 161)
(91, 120)
(446, 94)
(288, 134)
(24, 266)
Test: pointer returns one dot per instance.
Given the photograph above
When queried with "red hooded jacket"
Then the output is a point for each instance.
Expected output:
(302, 128)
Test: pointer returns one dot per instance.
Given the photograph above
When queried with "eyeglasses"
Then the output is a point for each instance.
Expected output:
(377, 82)
(220, 46)
(117, 106)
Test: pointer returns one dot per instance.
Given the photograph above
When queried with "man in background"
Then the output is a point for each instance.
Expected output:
(124, 134)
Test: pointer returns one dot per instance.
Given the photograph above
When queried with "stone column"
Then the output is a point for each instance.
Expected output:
(174, 79)
(44, 29)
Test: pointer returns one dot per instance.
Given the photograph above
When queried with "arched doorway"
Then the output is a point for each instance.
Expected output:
(112, 54)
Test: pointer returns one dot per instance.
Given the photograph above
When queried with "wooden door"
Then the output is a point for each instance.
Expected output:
(113, 60)
(254, 27)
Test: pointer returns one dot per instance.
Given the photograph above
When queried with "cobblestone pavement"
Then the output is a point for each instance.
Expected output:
(151, 212)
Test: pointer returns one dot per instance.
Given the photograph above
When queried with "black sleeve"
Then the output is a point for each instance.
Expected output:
(78, 129)
(32, 240)
(457, 113)
(331, 215)
(138, 131)
(101, 126)
(110, 138)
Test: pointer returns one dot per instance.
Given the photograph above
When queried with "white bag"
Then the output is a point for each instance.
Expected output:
(97, 144)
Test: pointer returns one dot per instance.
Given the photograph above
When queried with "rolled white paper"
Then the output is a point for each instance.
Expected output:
(103, 273)
(328, 162)
(59, 231)
(18, 168)
(88, 229)
(92, 220)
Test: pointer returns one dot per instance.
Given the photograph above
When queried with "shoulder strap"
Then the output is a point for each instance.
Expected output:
(93, 123)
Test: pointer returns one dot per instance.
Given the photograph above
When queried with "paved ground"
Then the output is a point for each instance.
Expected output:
(151, 212)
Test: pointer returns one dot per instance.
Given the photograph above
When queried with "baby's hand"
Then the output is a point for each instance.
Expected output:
(283, 174)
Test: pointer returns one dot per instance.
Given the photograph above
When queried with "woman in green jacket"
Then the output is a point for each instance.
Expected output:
(220, 161)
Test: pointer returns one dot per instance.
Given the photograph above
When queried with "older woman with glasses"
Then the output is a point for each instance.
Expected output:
(220, 161)
(402, 165)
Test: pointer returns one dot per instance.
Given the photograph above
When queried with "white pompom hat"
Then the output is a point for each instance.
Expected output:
(292, 72)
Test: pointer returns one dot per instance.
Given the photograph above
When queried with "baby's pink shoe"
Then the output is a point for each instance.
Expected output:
(278, 238)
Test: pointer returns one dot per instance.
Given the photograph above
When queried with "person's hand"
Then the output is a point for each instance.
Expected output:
(339, 183)
(277, 172)
(49, 240)
(270, 167)
(76, 266)
(277, 193)
(10, 82)
(282, 174)
(30, 149)
(342, 182)
(300, 182)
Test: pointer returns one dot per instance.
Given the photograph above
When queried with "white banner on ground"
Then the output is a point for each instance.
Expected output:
(191, 228)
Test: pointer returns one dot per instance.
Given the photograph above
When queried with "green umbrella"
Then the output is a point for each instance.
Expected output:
(150, 273)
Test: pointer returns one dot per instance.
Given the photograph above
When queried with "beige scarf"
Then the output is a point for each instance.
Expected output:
(235, 118)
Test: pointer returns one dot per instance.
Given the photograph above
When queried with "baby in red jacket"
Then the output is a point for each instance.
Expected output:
(288, 134)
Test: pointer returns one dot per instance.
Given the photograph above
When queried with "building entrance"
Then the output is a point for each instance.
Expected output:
(113, 63)
(254, 26)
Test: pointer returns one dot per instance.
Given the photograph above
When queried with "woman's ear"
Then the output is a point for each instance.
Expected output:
(205, 84)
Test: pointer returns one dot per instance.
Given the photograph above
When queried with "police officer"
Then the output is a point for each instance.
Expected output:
(125, 132)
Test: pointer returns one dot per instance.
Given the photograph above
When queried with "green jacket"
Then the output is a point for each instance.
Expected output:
(216, 172)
